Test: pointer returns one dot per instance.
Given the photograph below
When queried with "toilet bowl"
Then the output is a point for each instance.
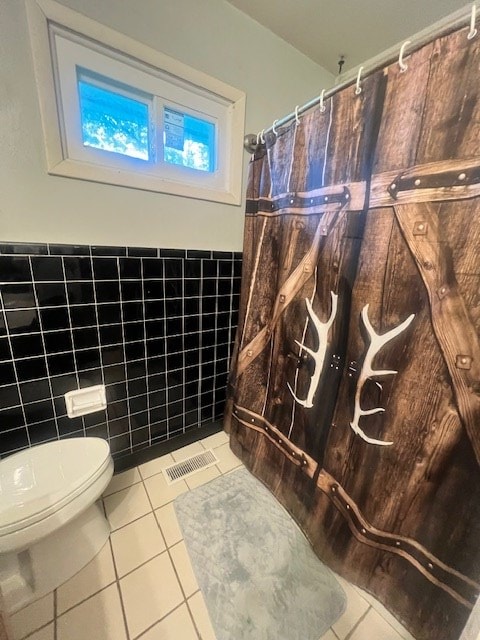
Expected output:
(50, 524)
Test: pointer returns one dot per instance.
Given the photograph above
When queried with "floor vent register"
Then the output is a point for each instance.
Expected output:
(189, 466)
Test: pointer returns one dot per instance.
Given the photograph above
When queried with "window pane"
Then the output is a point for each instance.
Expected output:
(113, 122)
(188, 141)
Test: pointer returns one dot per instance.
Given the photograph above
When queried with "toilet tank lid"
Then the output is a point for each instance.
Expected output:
(40, 477)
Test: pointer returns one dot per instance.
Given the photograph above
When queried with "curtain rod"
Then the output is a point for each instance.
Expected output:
(454, 21)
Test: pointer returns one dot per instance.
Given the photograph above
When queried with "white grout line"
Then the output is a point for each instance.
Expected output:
(55, 612)
(351, 632)
(47, 365)
(165, 347)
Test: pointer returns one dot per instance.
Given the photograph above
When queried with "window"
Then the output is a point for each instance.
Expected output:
(118, 112)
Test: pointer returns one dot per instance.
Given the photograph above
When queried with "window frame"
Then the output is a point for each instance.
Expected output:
(58, 30)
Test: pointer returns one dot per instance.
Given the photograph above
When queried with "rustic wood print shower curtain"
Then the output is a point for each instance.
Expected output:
(355, 386)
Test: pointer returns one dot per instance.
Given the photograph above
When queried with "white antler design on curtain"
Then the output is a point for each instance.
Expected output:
(377, 342)
(322, 329)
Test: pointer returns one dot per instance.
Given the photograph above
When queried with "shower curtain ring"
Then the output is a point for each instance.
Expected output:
(260, 138)
(358, 88)
(401, 63)
(273, 127)
(297, 119)
(322, 104)
(473, 31)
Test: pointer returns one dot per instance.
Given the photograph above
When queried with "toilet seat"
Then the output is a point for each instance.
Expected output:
(46, 486)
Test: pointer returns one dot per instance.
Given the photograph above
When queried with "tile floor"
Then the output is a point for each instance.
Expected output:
(141, 584)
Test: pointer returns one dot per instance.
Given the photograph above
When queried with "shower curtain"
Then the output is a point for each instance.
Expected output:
(354, 393)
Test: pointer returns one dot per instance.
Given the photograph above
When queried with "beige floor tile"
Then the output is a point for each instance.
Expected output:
(156, 465)
(149, 593)
(127, 505)
(177, 625)
(184, 569)
(201, 477)
(96, 575)
(329, 635)
(201, 617)
(32, 617)
(189, 450)
(47, 633)
(167, 519)
(122, 481)
(160, 492)
(227, 459)
(356, 608)
(374, 627)
(386, 615)
(215, 440)
(99, 617)
(136, 543)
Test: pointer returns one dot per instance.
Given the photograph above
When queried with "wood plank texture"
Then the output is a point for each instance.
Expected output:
(404, 242)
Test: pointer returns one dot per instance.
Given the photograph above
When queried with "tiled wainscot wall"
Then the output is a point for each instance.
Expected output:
(156, 326)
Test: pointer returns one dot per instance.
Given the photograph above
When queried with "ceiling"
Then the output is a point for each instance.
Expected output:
(358, 29)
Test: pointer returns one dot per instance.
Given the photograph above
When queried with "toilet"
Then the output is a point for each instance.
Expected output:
(50, 523)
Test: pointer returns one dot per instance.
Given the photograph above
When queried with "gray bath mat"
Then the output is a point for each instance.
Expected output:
(257, 572)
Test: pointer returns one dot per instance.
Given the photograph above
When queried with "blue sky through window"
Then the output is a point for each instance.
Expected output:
(113, 122)
(188, 141)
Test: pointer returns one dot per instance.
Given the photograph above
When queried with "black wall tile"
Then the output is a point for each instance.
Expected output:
(145, 252)
(18, 295)
(5, 351)
(163, 319)
(83, 316)
(27, 249)
(112, 355)
(111, 334)
(14, 440)
(57, 341)
(107, 291)
(27, 346)
(134, 331)
(88, 359)
(172, 253)
(153, 269)
(51, 294)
(46, 268)
(78, 268)
(68, 426)
(80, 293)
(131, 290)
(136, 369)
(61, 363)
(68, 249)
(12, 418)
(195, 253)
(109, 251)
(105, 268)
(15, 269)
(99, 417)
(109, 313)
(9, 396)
(39, 411)
(98, 431)
(85, 338)
(31, 369)
(63, 384)
(130, 268)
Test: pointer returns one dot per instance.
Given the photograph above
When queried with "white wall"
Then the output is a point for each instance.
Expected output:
(211, 36)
